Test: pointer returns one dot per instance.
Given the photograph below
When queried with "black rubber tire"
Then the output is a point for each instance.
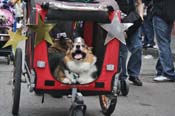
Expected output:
(111, 106)
(8, 59)
(12, 57)
(16, 90)
(124, 87)
(77, 112)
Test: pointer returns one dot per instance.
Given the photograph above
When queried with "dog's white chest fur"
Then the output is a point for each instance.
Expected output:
(84, 70)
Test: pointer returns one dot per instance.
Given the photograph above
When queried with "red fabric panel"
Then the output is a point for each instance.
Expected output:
(88, 33)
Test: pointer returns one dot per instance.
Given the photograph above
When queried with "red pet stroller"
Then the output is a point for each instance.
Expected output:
(37, 71)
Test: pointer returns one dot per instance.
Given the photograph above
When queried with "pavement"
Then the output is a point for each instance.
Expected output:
(154, 51)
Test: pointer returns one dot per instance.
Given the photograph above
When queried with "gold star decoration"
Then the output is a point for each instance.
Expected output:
(42, 31)
(15, 38)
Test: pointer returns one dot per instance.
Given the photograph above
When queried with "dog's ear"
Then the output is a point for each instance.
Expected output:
(67, 56)
(68, 51)
(90, 48)
(69, 43)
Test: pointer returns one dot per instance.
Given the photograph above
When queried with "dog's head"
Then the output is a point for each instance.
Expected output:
(80, 60)
(79, 50)
(61, 44)
(2, 19)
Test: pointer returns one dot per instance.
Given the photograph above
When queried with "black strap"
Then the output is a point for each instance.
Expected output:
(126, 6)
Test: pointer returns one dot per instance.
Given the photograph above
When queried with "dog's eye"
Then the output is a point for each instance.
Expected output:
(83, 46)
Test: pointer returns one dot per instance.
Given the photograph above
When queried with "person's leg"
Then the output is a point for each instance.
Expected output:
(159, 68)
(134, 45)
(163, 36)
(145, 39)
(134, 63)
(149, 32)
(123, 59)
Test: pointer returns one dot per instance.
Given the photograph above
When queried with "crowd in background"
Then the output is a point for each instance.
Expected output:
(158, 17)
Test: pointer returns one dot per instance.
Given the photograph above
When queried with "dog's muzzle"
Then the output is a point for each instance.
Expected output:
(78, 55)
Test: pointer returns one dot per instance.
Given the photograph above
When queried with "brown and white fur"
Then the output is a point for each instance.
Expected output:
(57, 51)
(81, 64)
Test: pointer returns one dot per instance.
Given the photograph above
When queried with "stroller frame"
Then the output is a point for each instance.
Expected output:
(41, 81)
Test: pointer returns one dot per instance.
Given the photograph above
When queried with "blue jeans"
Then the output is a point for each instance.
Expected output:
(164, 65)
(123, 59)
(134, 45)
(148, 31)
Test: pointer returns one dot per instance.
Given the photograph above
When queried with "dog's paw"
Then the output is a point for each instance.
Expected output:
(67, 81)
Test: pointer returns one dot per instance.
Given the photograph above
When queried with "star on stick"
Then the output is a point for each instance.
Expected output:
(115, 30)
(15, 38)
(42, 31)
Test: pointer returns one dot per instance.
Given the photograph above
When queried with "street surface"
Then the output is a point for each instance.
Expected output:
(152, 99)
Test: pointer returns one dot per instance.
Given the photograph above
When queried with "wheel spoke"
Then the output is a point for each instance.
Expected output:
(106, 101)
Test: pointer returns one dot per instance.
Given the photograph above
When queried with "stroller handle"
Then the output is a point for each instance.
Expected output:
(4, 35)
(76, 6)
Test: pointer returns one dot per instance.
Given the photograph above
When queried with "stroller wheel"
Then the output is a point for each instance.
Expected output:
(12, 57)
(8, 59)
(124, 87)
(77, 109)
(77, 112)
(16, 90)
(108, 103)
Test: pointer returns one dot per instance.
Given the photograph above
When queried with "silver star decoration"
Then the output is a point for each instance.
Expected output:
(115, 30)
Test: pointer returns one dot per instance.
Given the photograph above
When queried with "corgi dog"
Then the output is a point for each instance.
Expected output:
(80, 63)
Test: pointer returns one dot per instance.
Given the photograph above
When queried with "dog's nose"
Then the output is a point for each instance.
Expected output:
(78, 46)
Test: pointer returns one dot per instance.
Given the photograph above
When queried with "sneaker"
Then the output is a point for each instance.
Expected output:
(144, 45)
(155, 46)
(161, 79)
(149, 46)
(136, 81)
